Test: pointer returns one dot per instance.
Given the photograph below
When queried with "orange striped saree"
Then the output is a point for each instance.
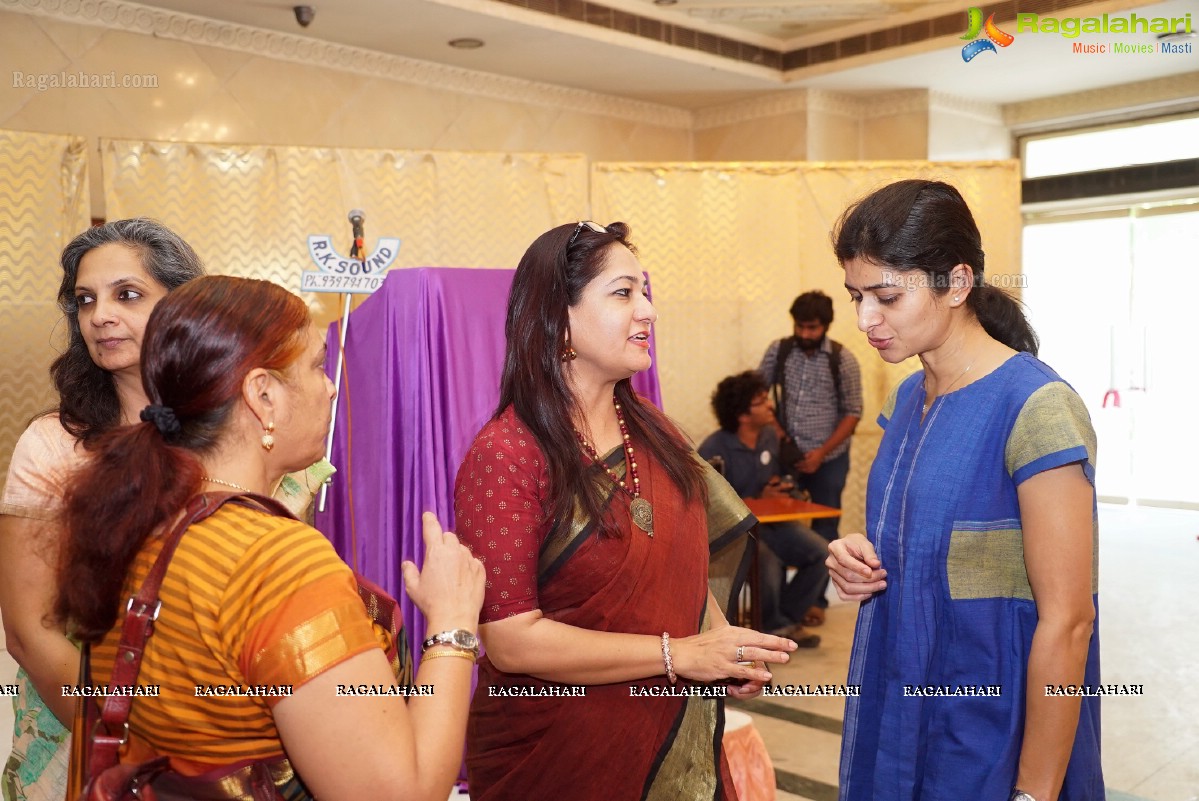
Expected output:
(252, 607)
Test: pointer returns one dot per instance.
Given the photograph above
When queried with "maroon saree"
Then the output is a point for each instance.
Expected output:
(619, 741)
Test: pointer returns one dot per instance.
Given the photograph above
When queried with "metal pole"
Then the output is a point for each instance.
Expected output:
(341, 350)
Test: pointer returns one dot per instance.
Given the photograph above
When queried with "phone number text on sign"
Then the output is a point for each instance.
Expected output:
(315, 281)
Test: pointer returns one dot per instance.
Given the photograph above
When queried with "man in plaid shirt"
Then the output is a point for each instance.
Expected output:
(819, 402)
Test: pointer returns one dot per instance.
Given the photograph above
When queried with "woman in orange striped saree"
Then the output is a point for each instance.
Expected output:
(263, 650)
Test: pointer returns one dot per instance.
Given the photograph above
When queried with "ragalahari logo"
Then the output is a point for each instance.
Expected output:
(975, 26)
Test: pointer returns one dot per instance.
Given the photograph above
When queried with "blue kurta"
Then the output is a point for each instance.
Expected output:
(941, 654)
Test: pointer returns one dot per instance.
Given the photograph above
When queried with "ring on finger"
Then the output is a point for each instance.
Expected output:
(740, 653)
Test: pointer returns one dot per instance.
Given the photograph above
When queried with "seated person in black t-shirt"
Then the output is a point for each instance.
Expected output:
(748, 444)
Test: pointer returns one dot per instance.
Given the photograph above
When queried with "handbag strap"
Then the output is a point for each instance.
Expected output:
(140, 614)
(778, 381)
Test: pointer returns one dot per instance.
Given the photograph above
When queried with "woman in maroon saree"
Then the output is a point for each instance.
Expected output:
(608, 652)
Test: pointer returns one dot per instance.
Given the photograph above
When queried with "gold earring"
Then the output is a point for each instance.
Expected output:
(268, 441)
(568, 352)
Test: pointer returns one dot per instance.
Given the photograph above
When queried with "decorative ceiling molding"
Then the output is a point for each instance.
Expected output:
(858, 107)
(894, 103)
(838, 103)
(1127, 99)
(945, 103)
(136, 18)
(775, 105)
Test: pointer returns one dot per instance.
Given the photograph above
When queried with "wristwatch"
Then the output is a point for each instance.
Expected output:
(458, 639)
(1020, 795)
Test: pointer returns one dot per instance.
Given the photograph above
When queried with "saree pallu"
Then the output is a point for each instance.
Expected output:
(36, 769)
(619, 741)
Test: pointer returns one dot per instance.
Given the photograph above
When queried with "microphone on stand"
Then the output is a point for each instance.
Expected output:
(356, 217)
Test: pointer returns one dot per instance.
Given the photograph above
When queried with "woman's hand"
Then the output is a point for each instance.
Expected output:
(449, 588)
(747, 690)
(713, 655)
(855, 568)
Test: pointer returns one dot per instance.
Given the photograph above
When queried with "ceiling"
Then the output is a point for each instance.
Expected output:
(585, 44)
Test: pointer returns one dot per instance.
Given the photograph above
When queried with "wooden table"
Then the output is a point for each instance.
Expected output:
(781, 510)
(775, 510)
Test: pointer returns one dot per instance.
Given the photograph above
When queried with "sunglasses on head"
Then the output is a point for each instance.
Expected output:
(594, 226)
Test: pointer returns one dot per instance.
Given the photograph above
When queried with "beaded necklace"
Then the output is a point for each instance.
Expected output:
(640, 509)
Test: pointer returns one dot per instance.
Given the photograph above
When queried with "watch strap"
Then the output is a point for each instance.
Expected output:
(447, 638)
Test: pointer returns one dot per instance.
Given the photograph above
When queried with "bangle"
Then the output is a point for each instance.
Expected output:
(666, 660)
(439, 654)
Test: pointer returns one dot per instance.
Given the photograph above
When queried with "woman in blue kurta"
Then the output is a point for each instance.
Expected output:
(978, 571)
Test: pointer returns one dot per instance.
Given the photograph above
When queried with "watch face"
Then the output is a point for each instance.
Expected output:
(464, 639)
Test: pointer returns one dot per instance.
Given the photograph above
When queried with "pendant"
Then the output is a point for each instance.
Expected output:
(643, 515)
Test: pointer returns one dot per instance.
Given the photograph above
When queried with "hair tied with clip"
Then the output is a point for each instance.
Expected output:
(164, 419)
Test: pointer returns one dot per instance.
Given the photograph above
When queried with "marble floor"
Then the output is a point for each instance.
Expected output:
(1148, 559)
(1148, 621)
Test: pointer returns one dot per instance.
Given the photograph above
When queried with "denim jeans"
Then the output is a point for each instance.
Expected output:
(783, 545)
(825, 486)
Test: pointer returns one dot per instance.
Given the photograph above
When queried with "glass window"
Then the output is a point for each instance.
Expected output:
(1104, 148)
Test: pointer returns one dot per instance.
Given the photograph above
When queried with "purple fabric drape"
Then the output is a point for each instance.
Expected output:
(422, 370)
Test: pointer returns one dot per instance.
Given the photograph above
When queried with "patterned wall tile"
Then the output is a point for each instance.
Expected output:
(43, 205)
(249, 209)
(729, 246)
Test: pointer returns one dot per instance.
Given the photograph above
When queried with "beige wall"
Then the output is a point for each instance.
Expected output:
(834, 128)
(772, 127)
(222, 94)
(1173, 94)
(814, 125)
(895, 126)
(782, 138)
(957, 133)
(226, 83)
(230, 84)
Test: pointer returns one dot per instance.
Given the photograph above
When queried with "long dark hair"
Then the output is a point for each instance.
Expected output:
(200, 342)
(926, 226)
(87, 396)
(549, 280)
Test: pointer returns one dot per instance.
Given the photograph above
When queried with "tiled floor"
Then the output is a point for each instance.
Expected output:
(1149, 564)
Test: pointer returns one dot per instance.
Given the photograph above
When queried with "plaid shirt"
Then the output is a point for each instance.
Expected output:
(812, 411)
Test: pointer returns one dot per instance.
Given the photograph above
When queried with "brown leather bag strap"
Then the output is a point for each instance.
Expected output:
(140, 614)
